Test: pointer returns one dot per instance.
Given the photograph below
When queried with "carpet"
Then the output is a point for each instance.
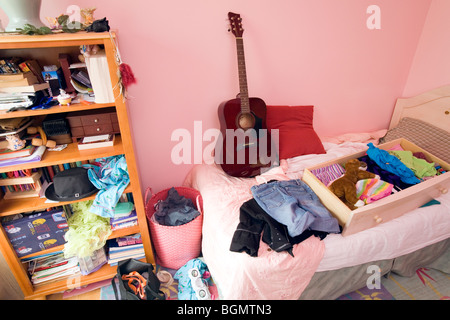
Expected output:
(425, 284)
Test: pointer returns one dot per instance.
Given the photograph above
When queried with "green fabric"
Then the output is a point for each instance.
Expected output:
(87, 232)
(420, 167)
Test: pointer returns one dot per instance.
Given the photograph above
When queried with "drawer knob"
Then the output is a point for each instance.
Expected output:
(443, 190)
(378, 219)
(95, 120)
(98, 129)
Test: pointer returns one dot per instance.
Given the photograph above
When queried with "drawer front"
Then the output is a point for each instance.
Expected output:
(98, 129)
(74, 122)
(96, 119)
(396, 205)
(114, 118)
(77, 132)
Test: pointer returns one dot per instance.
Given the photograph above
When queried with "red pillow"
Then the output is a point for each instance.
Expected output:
(296, 133)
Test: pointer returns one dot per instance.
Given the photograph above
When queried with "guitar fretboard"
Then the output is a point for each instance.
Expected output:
(245, 105)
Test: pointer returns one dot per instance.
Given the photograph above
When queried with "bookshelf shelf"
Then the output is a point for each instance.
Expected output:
(55, 109)
(114, 234)
(14, 206)
(70, 154)
(47, 48)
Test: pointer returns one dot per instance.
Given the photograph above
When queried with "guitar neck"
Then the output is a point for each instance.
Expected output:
(245, 104)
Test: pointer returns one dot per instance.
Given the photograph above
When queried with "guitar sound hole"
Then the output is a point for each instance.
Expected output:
(246, 121)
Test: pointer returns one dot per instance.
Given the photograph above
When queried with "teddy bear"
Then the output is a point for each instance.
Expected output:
(345, 187)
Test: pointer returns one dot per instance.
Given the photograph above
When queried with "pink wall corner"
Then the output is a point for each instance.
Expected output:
(431, 64)
(297, 52)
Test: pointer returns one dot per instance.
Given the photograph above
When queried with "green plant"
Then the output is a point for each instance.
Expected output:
(31, 30)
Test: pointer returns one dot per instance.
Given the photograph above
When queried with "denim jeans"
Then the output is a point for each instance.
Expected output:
(295, 205)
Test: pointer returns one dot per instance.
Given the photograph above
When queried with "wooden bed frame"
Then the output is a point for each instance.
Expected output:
(432, 107)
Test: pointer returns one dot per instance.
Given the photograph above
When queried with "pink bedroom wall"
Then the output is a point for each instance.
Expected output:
(298, 52)
(431, 64)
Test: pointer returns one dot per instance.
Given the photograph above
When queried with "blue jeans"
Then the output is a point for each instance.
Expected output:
(295, 205)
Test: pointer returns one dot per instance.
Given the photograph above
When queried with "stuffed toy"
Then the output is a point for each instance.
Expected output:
(14, 142)
(345, 187)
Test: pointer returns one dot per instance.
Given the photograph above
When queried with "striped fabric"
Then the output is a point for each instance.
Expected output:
(370, 190)
(329, 173)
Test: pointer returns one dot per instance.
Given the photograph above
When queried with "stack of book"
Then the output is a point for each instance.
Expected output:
(124, 220)
(12, 154)
(35, 156)
(24, 82)
(125, 248)
(53, 267)
(19, 82)
(14, 100)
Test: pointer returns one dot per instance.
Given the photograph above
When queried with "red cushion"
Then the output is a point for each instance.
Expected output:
(296, 133)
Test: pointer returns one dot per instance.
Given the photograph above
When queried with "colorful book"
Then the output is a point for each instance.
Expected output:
(34, 157)
(11, 154)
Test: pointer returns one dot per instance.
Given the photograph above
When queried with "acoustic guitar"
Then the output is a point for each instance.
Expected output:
(245, 147)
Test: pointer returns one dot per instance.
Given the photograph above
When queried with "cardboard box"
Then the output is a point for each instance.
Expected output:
(37, 232)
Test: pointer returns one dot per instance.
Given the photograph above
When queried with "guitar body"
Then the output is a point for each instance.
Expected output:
(245, 142)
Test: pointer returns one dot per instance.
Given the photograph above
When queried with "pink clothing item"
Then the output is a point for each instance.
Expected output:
(370, 190)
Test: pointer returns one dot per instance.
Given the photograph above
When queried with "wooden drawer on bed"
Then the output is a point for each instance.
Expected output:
(385, 209)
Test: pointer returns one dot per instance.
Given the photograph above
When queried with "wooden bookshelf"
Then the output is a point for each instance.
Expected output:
(70, 154)
(14, 206)
(47, 49)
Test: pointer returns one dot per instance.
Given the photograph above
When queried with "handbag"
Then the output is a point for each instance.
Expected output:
(132, 283)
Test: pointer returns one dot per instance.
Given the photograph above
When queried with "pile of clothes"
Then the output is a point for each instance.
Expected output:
(175, 210)
(285, 213)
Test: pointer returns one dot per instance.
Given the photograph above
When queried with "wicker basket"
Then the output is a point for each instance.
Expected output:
(175, 245)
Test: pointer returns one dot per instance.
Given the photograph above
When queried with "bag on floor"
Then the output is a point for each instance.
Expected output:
(136, 281)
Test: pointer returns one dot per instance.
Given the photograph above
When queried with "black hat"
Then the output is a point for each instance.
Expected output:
(70, 184)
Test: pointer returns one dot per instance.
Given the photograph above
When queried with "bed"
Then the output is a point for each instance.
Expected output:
(328, 268)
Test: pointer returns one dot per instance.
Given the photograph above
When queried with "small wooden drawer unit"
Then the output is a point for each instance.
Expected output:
(93, 122)
(385, 209)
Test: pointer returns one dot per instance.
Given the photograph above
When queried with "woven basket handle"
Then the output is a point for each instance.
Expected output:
(147, 192)
(198, 204)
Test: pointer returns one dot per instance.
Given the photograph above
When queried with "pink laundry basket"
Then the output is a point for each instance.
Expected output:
(175, 245)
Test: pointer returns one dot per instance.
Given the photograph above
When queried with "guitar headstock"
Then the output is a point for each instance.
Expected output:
(236, 24)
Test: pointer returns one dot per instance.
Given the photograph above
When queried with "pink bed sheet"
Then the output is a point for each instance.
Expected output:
(274, 275)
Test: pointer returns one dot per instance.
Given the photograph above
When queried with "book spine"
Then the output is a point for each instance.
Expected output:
(56, 169)
(51, 172)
